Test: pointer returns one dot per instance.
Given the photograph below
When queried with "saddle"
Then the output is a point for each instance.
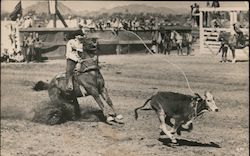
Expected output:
(63, 76)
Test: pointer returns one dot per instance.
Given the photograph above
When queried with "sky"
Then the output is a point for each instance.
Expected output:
(8, 5)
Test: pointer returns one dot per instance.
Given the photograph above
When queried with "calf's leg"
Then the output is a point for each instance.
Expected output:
(176, 125)
(163, 125)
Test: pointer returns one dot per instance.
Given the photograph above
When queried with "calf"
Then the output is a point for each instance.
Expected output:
(182, 108)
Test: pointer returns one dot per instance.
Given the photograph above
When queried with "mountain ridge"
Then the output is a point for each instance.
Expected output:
(42, 7)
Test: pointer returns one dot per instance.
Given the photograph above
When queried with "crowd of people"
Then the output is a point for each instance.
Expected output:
(132, 22)
(13, 51)
(114, 22)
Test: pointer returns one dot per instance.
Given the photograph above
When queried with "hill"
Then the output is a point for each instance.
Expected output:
(136, 8)
(43, 7)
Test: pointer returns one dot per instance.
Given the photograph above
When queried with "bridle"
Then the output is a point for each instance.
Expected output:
(196, 113)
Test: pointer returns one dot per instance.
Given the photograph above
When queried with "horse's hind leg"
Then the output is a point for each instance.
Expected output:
(76, 107)
(61, 104)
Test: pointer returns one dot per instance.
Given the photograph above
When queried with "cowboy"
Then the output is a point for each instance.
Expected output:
(73, 47)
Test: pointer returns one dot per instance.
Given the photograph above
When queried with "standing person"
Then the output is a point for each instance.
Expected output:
(73, 47)
(29, 44)
(37, 48)
(159, 42)
(208, 4)
(154, 47)
(224, 49)
(19, 21)
(189, 40)
(166, 43)
(197, 11)
(28, 23)
(215, 4)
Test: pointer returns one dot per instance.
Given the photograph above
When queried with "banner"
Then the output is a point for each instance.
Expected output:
(16, 11)
(52, 6)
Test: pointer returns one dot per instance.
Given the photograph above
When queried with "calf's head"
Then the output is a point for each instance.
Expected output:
(209, 101)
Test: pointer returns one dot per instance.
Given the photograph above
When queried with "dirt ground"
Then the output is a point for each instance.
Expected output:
(130, 80)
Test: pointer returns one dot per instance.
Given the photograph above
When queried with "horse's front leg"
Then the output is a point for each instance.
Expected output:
(101, 105)
(108, 100)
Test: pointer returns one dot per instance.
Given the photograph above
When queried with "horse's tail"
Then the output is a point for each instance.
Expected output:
(136, 114)
(40, 85)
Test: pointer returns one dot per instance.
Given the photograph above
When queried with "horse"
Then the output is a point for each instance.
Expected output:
(232, 41)
(87, 80)
(181, 41)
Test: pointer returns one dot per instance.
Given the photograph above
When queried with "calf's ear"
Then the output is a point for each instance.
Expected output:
(197, 97)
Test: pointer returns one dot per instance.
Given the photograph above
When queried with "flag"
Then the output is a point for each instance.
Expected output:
(18, 10)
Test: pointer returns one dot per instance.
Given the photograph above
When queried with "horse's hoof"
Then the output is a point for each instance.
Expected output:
(110, 118)
(119, 117)
(174, 141)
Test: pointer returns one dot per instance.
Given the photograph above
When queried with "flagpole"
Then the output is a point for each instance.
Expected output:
(54, 16)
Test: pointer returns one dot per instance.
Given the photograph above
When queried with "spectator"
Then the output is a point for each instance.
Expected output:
(215, 4)
(19, 21)
(154, 48)
(27, 22)
(5, 56)
(37, 49)
(72, 23)
(189, 40)
(195, 13)
(29, 50)
(215, 23)
(208, 4)
(137, 24)
(166, 43)
(192, 8)
(19, 57)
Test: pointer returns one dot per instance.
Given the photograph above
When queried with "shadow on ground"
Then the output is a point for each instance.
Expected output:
(183, 142)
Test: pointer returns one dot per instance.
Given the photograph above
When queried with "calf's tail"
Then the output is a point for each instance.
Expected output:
(40, 85)
(136, 114)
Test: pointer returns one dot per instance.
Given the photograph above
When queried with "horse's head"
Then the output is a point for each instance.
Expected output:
(90, 45)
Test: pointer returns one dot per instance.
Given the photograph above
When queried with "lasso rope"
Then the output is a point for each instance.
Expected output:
(163, 59)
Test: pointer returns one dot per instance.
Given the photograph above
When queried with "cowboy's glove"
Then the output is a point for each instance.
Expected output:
(80, 60)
